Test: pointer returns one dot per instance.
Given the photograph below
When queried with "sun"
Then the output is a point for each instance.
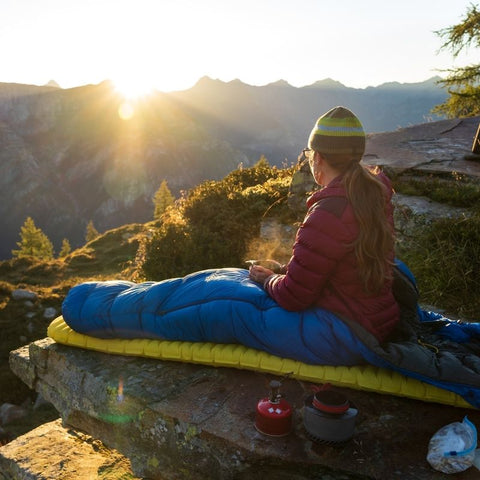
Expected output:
(136, 88)
(142, 82)
(133, 88)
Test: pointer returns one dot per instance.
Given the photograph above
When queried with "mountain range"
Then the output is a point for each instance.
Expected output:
(67, 157)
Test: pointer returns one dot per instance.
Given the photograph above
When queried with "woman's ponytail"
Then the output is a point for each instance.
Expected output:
(374, 245)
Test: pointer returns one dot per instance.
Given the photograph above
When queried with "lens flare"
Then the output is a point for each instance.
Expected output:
(126, 110)
(120, 390)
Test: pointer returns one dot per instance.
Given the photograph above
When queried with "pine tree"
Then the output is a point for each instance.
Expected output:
(162, 199)
(91, 233)
(66, 248)
(463, 83)
(33, 242)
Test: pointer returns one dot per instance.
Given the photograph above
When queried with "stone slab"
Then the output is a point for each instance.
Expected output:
(54, 452)
(175, 420)
(436, 147)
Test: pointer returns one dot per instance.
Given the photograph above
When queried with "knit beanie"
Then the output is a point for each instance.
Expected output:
(338, 131)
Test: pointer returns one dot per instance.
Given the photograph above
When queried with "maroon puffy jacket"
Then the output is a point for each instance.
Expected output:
(323, 268)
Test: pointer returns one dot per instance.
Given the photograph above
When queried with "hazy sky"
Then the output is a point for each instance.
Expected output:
(170, 44)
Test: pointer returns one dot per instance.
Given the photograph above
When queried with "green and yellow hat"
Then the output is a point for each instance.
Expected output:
(338, 131)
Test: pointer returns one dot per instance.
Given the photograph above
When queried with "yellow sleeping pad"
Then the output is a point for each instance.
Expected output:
(362, 377)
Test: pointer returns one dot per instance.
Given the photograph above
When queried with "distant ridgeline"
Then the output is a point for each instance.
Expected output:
(67, 158)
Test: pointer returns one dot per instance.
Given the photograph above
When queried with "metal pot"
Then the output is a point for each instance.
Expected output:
(329, 417)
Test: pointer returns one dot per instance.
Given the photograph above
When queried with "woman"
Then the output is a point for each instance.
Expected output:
(344, 250)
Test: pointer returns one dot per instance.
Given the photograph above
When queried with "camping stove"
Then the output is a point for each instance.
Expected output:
(329, 417)
(274, 414)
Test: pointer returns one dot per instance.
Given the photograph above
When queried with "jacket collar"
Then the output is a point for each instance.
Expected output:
(333, 189)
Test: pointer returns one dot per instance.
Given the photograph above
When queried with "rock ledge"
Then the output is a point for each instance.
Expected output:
(176, 420)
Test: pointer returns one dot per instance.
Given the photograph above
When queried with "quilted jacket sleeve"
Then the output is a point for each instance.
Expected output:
(321, 242)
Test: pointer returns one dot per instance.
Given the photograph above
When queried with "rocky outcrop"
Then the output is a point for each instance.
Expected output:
(437, 147)
(179, 421)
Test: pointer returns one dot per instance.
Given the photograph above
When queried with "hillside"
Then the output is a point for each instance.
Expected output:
(66, 157)
(22, 320)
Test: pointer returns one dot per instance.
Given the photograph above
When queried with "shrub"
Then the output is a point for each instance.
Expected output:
(164, 255)
(212, 225)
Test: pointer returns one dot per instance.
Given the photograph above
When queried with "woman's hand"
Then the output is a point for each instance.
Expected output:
(259, 274)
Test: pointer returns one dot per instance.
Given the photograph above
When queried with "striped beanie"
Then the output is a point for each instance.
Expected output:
(338, 131)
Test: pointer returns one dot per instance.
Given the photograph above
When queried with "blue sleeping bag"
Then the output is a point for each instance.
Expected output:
(219, 306)
(225, 306)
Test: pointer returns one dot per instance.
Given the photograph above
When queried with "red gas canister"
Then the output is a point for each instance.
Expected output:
(274, 414)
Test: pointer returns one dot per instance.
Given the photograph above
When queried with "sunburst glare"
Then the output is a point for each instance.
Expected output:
(133, 88)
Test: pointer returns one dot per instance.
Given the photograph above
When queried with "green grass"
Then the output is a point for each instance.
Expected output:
(109, 254)
(449, 188)
(444, 255)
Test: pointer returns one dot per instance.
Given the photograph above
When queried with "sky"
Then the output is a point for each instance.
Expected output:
(169, 44)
